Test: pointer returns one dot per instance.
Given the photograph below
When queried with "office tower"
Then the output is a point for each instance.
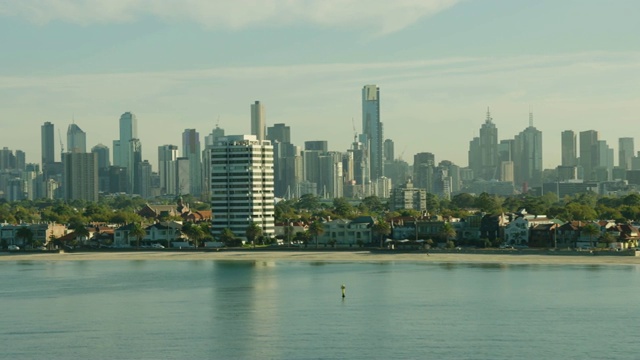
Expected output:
(626, 152)
(252, 200)
(488, 147)
(183, 176)
(280, 133)
(20, 160)
(588, 153)
(134, 169)
(388, 150)
(103, 156)
(211, 138)
(475, 160)
(145, 179)
(506, 151)
(167, 156)
(603, 161)
(258, 120)
(330, 184)
(7, 159)
(47, 144)
(453, 172)
(317, 145)
(528, 156)
(80, 176)
(191, 150)
(128, 131)
(372, 128)
(423, 168)
(569, 148)
(76, 139)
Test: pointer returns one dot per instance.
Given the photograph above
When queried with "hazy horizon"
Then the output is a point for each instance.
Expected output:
(439, 65)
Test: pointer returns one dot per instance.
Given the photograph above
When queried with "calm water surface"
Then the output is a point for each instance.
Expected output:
(293, 310)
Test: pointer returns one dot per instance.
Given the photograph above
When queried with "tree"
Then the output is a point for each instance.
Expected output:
(26, 235)
(381, 228)
(138, 232)
(486, 203)
(193, 232)
(607, 239)
(253, 232)
(590, 230)
(463, 201)
(227, 236)
(80, 232)
(448, 231)
(316, 229)
(343, 208)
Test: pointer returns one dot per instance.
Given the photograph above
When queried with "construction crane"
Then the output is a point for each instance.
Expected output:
(61, 144)
(355, 132)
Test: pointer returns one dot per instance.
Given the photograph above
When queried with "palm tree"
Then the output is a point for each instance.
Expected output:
(316, 229)
(448, 232)
(591, 230)
(607, 238)
(253, 232)
(381, 228)
(26, 235)
(81, 232)
(227, 236)
(138, 232)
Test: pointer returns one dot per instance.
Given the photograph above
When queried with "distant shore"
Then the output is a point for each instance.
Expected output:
(329, 256)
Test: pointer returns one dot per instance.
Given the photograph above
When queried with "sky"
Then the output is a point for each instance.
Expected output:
(440, 64)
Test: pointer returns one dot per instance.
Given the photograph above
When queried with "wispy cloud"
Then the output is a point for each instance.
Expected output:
(377, 16)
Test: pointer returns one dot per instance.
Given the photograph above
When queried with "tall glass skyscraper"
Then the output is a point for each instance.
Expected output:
(191, 150)
(76, 139)
(47, 144)
(372, 128)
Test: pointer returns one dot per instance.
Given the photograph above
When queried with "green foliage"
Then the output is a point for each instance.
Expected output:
(253, 232)
(463, 201)
(316, 229)
(308, 202)
(343, 209)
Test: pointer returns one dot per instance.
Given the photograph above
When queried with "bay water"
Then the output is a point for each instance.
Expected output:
(294, 310)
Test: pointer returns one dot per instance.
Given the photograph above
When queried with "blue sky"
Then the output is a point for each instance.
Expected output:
(439, 64)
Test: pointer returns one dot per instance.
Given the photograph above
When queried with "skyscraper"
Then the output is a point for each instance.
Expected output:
(47, 144)
(128, 131)
(569, 148)
(134, 170)
(317, 145)
(211, 138)
(388, 150)
(80, 176)
(258, 120)
(250, 177)
(191, 150)
(76, 139)
(588, 153)
(167, 156)
(423, 169)
(626, 152)
(103, 156)
(528, 156)
(280, 133)
(372, 129)
(488, 149)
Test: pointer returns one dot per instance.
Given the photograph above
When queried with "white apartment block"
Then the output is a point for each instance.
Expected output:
(242, 184)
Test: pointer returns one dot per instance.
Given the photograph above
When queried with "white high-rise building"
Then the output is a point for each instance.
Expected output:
(258, 121)
(167, 156)
(242, 184)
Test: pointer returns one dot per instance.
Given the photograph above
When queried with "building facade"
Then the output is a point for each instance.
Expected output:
(242, 185)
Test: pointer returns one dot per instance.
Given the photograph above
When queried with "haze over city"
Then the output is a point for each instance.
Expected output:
(439, 65)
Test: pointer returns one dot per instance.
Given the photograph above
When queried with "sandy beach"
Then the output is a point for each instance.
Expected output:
(337, 256)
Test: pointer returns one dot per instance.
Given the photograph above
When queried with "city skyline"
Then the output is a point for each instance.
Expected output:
(514, 58)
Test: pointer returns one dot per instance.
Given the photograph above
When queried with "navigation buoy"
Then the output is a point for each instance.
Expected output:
(343, 289)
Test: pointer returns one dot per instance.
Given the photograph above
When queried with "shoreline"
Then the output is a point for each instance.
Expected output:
(329, 256)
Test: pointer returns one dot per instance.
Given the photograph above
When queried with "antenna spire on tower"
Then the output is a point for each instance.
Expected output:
(488, 116)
